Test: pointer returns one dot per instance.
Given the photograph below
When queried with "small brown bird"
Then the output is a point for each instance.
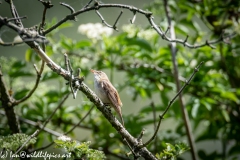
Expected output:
(106, 92)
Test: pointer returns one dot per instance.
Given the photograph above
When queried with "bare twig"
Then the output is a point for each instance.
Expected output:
(39, 73)
(71, 9)
(103, 20)
(155, 124)
(46, 4)
(70, 70)
(154, 114)
(80, 121)
(134, 17)
(10, 43)
(38, 125)
(139, 139)
(55, 110)
(148, 15)
(166, 31)
(15, 14)
(42, 148)
(88, 4)
(170, 103)
(131, 149)
(11, 19)
(114, 25)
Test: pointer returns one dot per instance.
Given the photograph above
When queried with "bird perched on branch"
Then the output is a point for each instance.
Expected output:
(106, 92)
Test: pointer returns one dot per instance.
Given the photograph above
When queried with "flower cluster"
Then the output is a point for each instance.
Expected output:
(94, 31)
(134, 30)
(64, 138)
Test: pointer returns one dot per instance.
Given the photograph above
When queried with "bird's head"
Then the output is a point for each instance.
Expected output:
(99, 75)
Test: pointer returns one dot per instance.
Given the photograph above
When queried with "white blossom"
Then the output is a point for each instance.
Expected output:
(64, 138)
(94, 31)
(147, 34)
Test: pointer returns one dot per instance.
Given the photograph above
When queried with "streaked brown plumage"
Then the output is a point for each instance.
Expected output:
(106, 92)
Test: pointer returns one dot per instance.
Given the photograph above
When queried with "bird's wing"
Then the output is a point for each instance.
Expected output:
(111, 93)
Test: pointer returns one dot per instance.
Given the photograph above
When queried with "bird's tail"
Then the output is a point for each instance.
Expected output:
(120, 115)
(119, 112)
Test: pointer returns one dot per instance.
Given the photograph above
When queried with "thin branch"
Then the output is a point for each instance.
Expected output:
(55, 110)
(45, 147)
(87, 4)
(39, 73)
(185, 41)
(117, 156)
(170, 103)
(166, 31)
(71, 9)
(17, 18)
(154, 114)
(50, 144)
(155, 124)
(148, 15)
(68, 6)
(38, 125)
(15, 14)
(114, 25)
(80, 121)
(103, 20)
(23, 145)
(134, 17)
(131, 149)
(70, 70)
(46, 4)
(10, 43)
(37, 39)
(139, 139)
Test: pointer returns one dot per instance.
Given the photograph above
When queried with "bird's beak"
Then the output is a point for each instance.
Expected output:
(92, 70)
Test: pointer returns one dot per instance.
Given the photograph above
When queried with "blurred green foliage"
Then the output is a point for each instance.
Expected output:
(79, 150)
(13, 142)
(143, 62)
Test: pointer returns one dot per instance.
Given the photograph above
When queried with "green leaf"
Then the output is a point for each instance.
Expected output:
(143, 44)
(20, 74)
(225, 115)
(195, 109)
(21, 94)
(28, 55)
(230, 96)
(82, 44)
